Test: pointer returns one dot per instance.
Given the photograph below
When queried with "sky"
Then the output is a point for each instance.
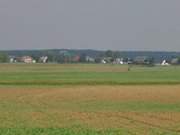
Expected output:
(150, 25)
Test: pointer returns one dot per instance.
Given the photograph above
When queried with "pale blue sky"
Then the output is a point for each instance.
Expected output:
(92, 24)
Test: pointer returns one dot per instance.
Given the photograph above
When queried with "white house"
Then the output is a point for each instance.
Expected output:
(164, 63)
(43, 59)
(27, 59)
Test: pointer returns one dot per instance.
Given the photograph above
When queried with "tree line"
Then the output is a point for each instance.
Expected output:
(59, 55)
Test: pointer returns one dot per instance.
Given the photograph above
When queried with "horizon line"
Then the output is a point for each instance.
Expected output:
(90, 49)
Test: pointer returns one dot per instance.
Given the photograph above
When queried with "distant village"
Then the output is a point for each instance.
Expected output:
(65, 56)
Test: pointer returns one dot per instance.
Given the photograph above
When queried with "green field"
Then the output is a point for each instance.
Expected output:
(76, 74)
(89, 99)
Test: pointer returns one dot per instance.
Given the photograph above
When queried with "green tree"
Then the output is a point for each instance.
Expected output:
(109, 53)
(3, 58)
(83, 57)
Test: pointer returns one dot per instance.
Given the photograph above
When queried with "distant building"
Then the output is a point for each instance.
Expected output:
(27, 59)
(103, 61)
(129, 61)
(43, 59)
(68, 57)
(107, 60)
(143, 60)
(164, 63)
(12, 59)
(175, 61)
(75, 58)
(118, 61)
(89, 59)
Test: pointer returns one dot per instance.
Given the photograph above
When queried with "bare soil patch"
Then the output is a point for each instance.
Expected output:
(159, 93)
(60, 107)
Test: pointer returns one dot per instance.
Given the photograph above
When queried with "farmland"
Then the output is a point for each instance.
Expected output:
(84, 74)
(80, 99)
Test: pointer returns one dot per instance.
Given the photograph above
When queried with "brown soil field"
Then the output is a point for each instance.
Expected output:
(82, 105)
(159, 93)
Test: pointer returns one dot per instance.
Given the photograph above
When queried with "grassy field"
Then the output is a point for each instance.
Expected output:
(90, 99)
(79, 74)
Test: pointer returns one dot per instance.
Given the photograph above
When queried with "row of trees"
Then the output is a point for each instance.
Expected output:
(64, 56)
(61, 57)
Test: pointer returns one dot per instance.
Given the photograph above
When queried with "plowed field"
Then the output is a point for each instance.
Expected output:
(148, 109)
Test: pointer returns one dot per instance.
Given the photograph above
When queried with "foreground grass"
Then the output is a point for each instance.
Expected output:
(65, 131)
(60, 131)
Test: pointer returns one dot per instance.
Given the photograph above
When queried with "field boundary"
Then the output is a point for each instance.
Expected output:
(84, 83)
